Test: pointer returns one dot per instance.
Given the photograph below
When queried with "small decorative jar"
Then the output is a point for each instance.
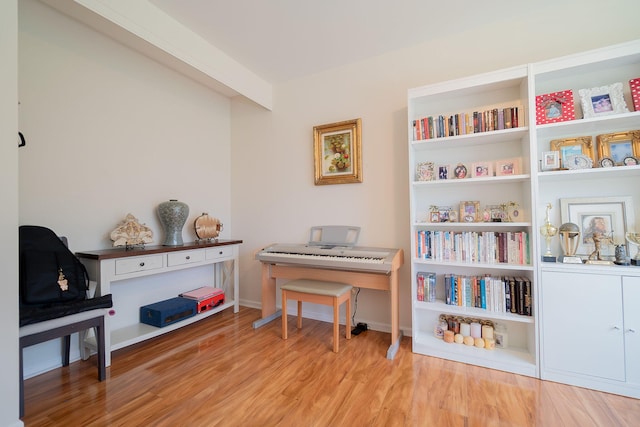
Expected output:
(173, 215)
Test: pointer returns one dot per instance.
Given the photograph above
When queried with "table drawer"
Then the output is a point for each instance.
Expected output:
(220, 252)
(139, 263)
(184, 257)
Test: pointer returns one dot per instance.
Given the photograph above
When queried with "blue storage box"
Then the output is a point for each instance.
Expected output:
(169, 311)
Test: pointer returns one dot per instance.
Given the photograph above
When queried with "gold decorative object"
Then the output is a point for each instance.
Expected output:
(548, 231)
(206, 227)
(131, 233)
(599, 239)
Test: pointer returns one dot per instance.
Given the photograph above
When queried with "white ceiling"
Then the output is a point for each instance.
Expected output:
(281, 40)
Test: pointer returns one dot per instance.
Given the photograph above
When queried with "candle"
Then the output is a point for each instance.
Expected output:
(476, 330)
(458, 338)
(490, 344)
(469, 340)
(465, 329)
(487, 332)
(448, 336)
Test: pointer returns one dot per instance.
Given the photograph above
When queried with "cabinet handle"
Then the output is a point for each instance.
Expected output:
(616, 327)
(142, 264)
(187, 257)
(633, 331)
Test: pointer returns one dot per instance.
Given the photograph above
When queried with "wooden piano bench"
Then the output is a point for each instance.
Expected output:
(318, 292)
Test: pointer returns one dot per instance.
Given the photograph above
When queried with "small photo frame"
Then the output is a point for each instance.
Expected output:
(618, 146)
(337, 152)
(425, 171)
(572, 147)
(434, 216)
(507, 167)
(470, 211)
(444, 172)
(555, 107)
(461, 171)
(602, 101)
(550, 161)
(481, 169)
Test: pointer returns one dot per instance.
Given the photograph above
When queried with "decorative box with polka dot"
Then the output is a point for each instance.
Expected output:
(634, 84)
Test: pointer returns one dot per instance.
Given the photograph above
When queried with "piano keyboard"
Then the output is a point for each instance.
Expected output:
(352, 258)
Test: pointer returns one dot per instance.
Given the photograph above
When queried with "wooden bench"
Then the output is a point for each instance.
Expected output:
(318, 292)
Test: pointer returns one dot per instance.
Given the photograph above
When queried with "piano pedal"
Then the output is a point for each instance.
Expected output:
(360, 327)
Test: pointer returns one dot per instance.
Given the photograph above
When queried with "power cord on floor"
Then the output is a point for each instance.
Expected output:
(360, 327)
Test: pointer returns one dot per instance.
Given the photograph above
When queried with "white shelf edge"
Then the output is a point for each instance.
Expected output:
(522, 267)
(472, 225)
(441, 307)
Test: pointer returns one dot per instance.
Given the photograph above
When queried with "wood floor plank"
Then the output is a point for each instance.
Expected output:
(222, 372)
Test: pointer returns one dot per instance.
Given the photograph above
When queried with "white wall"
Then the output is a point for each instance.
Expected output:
(111, 132)
(276, 149)
(8, 224)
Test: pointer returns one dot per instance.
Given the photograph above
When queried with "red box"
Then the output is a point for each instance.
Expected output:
(209, 303)
(634, 85)
(555, 107)
(206, 297)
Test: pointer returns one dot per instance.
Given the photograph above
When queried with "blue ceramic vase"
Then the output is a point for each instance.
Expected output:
(173, 215)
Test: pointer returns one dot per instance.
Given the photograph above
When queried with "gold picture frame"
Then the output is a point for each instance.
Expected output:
(470, 211)
(573, 146)
(618, 146)
(337, 152)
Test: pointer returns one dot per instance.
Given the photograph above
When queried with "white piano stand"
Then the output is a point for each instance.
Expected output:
(361, 279)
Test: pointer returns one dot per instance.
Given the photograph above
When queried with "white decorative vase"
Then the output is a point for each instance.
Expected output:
(173, 215)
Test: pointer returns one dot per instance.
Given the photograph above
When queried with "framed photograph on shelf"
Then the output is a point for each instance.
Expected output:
(461, 171)
(470, 211)
(602, 101)
(481, 169)
(444, 172)
(550, 161)
(555, 107)
(337, 152)
(610, 216)
(619, 146)
(425, 171)
(572, 147)
(506, 167)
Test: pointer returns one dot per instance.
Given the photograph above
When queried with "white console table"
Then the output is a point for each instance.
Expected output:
(138, 277)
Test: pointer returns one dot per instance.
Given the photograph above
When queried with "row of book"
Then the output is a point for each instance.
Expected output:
(426, 286)
(486, 247)
(465, 123)
(508, 294)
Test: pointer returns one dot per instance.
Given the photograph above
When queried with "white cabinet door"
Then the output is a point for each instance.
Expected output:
(631, 292)
(582, 324)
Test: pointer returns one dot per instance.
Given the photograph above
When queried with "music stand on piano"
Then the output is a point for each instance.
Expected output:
(331, 255)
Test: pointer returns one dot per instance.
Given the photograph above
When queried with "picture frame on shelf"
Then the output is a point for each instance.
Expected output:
(496, 213)
(550, 161)
(337, 152)
(571, 147)
(602, 101)
(425, 171)
(555, 107)
(470, 211)
(461, 171)
(578, 161)
(606, 162)
(507, 167)
(444, 172)
(611, 216)
(619, 145)
(481, 169)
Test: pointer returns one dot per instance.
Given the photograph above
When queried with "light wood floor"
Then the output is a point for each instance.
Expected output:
(221, 372)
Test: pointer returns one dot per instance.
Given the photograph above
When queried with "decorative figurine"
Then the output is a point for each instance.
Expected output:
(598, 239)
(131, 233)
(621, 255)
(548, 231)
(570, 239)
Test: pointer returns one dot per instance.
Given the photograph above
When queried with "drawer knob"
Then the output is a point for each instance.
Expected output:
(142, 264)
(188, 257)
(220, 253)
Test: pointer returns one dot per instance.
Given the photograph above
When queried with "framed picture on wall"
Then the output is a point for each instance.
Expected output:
(337, 152)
